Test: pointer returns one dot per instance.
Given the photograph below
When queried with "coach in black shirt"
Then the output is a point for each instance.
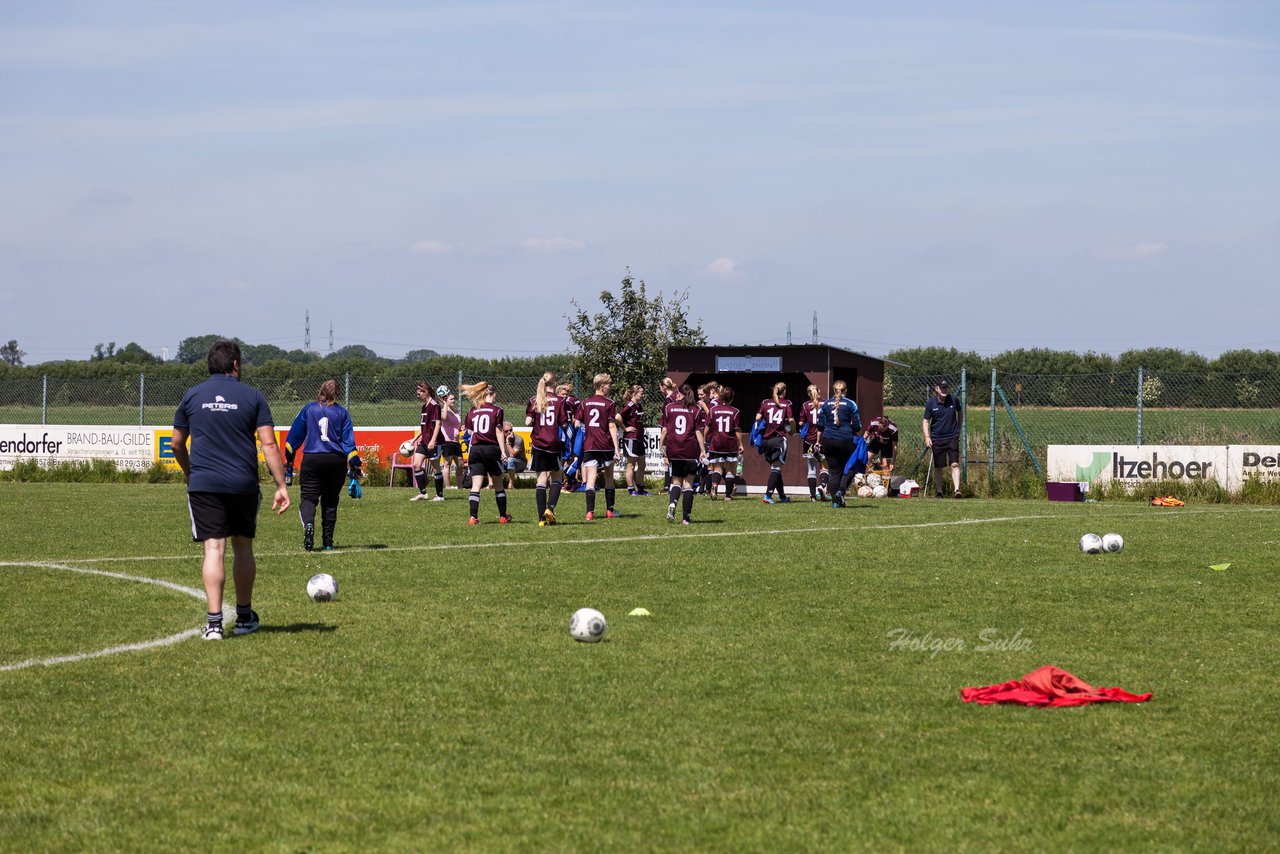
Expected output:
(223, 417)
(943, 420)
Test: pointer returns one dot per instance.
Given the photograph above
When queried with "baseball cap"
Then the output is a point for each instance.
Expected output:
(944, 385)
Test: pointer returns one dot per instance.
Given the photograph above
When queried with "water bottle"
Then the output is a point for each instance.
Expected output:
(739, 468)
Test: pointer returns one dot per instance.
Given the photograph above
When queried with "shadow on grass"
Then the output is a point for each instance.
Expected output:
(295, 628)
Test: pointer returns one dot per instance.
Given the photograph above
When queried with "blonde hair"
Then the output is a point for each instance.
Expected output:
(328, 392)
(477, 392)
(564, 388)
(779, 389)
(601, 379)
(813, 393)
(540, 399)
(838, 388)
(667, 384)
(634, 391)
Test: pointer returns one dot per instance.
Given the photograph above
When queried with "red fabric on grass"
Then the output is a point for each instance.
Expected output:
(1049, 686)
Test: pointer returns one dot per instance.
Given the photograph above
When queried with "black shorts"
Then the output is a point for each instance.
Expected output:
(809, 452)
(218, 515)
(597, 458)
(450, 449)
(322, 478)
(484, 459)
(542, 461)
(775, 450)
(946, 452)
(684, 468)
(716, 458)
(432, 455)
(633, 448)
(877, 448)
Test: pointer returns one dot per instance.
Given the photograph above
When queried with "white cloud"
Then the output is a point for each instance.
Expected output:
(721, 268)
(1134, 252)
(552, 245)
(431, 247)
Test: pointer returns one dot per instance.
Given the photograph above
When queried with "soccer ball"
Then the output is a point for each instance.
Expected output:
(1091, 544)
(879, 492)
(322, 587)
(442, 391)
(865, 491)
(873, 480)
(587, 625)
(1112, 542)
(859, 479)
(406, 449)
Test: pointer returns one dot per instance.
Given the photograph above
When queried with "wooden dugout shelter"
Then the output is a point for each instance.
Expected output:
(751, 372)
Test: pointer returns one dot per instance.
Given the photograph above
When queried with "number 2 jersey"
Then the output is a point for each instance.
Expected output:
(596, 413)
(683, 423)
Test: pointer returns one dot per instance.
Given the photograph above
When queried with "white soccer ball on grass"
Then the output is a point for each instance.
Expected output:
(406, 449)
(865, 491)
(587, 625)
(879, 492)
(322, 587)
(873, 480)
(1091, 544)
(1112, 543)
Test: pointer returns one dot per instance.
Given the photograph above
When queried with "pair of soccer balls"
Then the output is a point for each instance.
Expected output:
(322, 587)
(868, 491)
(1092, 544)
(587, 625)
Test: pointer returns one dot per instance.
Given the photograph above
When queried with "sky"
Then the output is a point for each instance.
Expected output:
(1081, 176)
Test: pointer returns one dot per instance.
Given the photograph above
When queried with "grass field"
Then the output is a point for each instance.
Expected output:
(440, 704)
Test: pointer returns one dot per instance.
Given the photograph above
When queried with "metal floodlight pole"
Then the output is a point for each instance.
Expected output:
(991, 443)
(44, 402)
(142, 399)
(346, 394)
(964, 431)
(1140, 384)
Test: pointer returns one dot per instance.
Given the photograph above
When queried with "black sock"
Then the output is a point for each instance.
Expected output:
(439, 478)
(730, 484)
(554, 496)
(501, 498)
(609, 493)
(591, 499)
(824, 479)
(688, 502)
(541, 497)
(244, 612)
(666, 481)
(474, 501)
(674, 494)
(420, 480)
(775, 481)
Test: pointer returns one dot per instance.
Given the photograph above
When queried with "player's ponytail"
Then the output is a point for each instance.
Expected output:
(779, 391)
(548, 380)
(635, 393)
(813, 393)
(476, 392)
(837, 394)
(687, 395)
(667, 385)
(726, 395)
(328, 394)
(429, 390)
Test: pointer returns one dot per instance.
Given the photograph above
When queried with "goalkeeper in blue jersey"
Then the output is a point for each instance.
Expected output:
(324, 434)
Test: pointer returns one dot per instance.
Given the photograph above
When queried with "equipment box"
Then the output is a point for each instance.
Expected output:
(1069, 490)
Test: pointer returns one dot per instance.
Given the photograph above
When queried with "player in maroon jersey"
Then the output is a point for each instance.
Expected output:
(487, 452)
(669, 393)
(775, 412)
(684, 446)
(598, 416)
(724, 443)
(426, 445)
(818, 475)
(632, 417)
(708, 396)
(882, 441)
(572, 483)
(546, 414)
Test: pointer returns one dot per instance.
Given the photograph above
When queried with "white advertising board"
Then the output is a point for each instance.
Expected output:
(1135, 464)
(1260, 462)
(130, 447)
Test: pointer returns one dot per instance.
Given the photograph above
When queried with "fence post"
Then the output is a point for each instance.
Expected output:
(346, 393)
(1140, 383)
(991, 442)
(44, 401)
(459, 389)
(142, 398)
(964, 430)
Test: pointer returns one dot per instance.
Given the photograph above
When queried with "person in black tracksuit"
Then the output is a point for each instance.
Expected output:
(839, 425)
(324, 434)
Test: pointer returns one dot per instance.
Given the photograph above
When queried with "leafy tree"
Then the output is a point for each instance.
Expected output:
(935, 361)
(196, 348)
(355, 351)
(629, 337)
(419, 356)
(260, 354)
(101, 354)
(134, 353)
(11, 355)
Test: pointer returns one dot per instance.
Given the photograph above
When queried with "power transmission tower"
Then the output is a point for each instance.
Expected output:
(788, 332)
(331, 337)
(306, 336)
(815, 327)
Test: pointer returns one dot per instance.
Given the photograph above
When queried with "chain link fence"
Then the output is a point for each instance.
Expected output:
(1010, 418)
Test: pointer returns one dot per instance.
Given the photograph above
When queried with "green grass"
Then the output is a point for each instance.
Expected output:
(440, 704)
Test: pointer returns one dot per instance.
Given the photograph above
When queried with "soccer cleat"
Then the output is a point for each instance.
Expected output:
(212, 631)
(542, 524)
(632, 493)
(685, 521)
(328, 547)
(473, 521)
(768, 500)
(248, 626)
(548, 517)
(421, 496)
(822, 493)
(838, 501)
(308, 537)
(502, 520)
(611, 514)
(671, 512)
(591, 516)
(438, 498)
(782, 499)
(958, 495)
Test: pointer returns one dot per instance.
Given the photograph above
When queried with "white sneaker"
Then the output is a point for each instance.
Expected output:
(421, 496)
(212, 632)
(438, 498)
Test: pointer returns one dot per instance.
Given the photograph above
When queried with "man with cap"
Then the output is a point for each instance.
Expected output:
(943, 420)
